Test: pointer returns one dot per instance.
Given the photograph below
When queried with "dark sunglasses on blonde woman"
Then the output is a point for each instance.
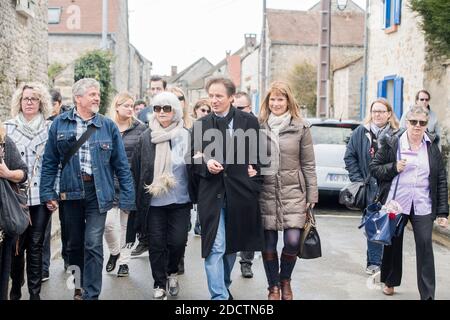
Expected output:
(205, 110)
(163, 108)
(420, 122)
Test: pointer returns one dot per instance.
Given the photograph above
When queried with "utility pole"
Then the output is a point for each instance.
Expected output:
(262, 86)
(323, 72)
(105, 25)
(366, 49)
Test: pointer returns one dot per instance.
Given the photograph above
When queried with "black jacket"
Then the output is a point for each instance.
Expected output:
(13, 159)
(383, 167)
(244, 230)
(142, 168)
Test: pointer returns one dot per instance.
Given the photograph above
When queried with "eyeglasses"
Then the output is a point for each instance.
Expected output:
(32, 100)
(166, 109)
(241, 107)
(422, 123)
(379, 111)
(424, 99)
(181, 98)
(204, 110)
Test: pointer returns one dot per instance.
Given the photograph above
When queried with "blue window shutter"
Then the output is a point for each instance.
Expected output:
(381, 92)
(398, 96)
(387, 13)
(398, 11)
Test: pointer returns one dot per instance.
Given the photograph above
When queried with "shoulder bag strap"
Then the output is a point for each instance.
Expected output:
(398, 176)
(78, 144)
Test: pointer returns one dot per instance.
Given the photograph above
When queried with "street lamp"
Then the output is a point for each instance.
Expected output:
(342, 4)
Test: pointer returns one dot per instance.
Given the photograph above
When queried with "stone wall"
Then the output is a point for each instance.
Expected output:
(23, 49)
(400, 53)
(347, 91)
(250, 72)
(283, 57)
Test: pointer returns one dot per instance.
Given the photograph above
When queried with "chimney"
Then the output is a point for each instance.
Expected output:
(174, 71)
(250, 40)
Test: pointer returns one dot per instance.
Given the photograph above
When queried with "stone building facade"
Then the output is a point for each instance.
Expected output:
(23, 48)
(399, 65)
(292, 38)
(79, 30)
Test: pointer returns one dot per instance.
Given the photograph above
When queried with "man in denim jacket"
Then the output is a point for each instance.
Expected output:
(86, 185)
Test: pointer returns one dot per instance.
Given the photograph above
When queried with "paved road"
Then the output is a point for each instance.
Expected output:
(339, 274)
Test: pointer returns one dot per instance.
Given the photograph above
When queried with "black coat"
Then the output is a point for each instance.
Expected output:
(142, 168)
(357, 158)
(383, 167)
(243, 226)
(13, 159)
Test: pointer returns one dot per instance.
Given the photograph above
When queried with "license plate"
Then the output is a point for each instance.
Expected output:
(337, 177)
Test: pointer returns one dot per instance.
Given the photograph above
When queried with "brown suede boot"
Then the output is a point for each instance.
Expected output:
(274, 293)
(286, 291)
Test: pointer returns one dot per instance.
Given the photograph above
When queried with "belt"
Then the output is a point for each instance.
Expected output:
(87, 178)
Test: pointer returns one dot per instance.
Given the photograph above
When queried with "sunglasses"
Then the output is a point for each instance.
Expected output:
(424, 99)
(420, 122)
(205, 110)
(241, 107)
(181, 98)
(166, 109)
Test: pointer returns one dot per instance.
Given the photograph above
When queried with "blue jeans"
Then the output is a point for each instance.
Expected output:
(85, 225)
(374, 253)
(218, 266)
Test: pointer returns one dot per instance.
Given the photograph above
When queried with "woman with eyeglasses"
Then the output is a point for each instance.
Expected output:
(364, 143)
(30, 107)
(162, 190)
(423, 98)
(201, 108)
(119, 237)
(410, 165)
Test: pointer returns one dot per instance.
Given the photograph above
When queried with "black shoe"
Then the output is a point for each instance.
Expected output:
(111, 265)
(246, 270)
(45, 276)
(15, 293)
(181, 266)
(140, 249)
(197, 230)
(123, 271)
(35, 297)
(230, 296)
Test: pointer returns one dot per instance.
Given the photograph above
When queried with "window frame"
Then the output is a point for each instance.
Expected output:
(59, 15)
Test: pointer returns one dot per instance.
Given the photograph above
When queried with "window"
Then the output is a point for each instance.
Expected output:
(391, 88)
(54, 15)
(391, 14)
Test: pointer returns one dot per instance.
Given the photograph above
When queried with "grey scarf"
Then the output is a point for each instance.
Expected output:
(30, 128)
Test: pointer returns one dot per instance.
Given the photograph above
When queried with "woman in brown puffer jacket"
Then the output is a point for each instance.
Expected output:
(290, 185)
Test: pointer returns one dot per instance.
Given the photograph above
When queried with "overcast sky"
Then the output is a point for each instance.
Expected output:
(178, 32)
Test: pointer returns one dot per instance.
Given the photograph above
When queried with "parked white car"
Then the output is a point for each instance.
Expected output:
(330, 138)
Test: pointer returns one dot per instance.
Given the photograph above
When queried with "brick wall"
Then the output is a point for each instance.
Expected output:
(23, 50)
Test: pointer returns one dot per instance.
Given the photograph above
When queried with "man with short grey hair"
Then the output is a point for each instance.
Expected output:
(86, 149)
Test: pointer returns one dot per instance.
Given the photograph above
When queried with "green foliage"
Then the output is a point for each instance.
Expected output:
(303, 81)
(97, 64)
(53, 70)
(435, 23)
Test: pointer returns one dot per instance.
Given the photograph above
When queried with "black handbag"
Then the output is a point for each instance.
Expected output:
(310, 247)
(354, 195)
(14, 212)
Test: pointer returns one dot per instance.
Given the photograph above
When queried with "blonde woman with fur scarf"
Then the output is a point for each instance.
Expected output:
(162, 195)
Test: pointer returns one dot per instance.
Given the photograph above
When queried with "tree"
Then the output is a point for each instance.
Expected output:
(97, 64)
(303, 81)
(435, 23)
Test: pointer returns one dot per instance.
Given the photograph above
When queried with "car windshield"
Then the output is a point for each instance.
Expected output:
(330, 134)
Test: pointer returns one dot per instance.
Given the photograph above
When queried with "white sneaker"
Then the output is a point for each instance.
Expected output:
(173, 285)
(159, 294)
(372, 269)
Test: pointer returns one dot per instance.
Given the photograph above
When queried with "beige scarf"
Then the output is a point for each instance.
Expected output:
(163, 178)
